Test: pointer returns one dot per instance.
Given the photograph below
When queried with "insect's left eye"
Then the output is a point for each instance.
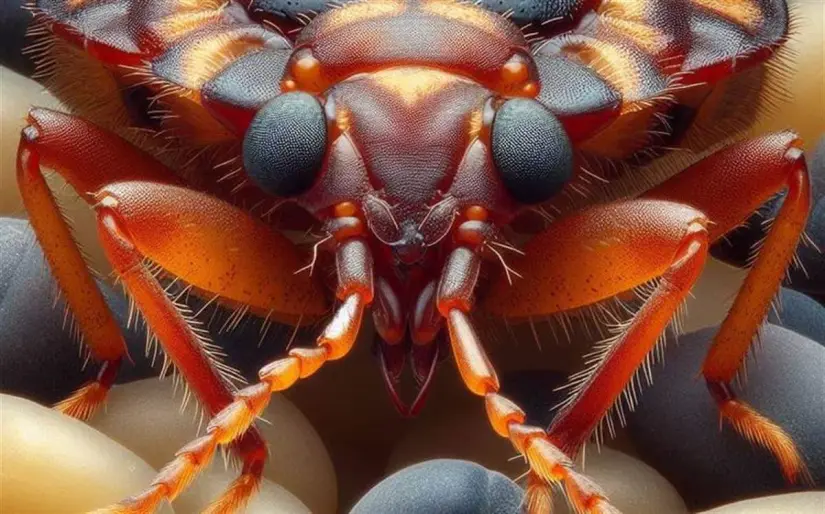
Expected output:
(531, 150)
(284, 146)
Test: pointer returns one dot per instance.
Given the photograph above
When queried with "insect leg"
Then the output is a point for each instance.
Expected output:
(619, 358)
(184, 346)
(588, 257)
(235, 417)
(548, 464)
(728, 186)
(87, 158)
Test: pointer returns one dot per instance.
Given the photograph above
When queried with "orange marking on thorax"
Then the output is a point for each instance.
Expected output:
(625, 9)
(177, 25)
(75, 4)
(612, 62)
(465, 13)
(212, 54)
(200, 5)
(646, 36)
(742, 12)
(476, 123)
(414, 84)
(360, 11)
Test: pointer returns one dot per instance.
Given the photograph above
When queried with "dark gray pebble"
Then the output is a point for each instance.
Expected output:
(676, 426)
(445, 487)
(800, 313)
(41, 361)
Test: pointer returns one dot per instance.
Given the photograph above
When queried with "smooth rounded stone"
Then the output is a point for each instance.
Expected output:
(14, 21)
(811, 278)
(38, 357)
(146, 417)
(445, 486)
(797, 503)
(800, 313)
(53, 464)
(631, 485)
(676, 425)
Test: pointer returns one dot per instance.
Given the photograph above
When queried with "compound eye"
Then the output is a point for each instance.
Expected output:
(284, 147)
(531, 150)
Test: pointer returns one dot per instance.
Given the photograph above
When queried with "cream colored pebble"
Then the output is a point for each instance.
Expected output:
(270, 498)
(18, 95)
(811, 502)
(145, 417)
(53, 464)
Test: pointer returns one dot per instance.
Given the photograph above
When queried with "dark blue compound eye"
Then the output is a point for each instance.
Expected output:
(531, 150)
(284, 146)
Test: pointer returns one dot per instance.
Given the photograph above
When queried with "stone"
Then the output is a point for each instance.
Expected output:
(53, 464)
(13, 23)
(146, 417)
(800, 313)
(445, 486)
(798, 503)
(676, 425)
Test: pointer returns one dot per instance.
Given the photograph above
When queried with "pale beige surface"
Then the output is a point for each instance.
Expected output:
(145, 417)
(794, 503)
(271, 497)
(52, 464)
(805, 110)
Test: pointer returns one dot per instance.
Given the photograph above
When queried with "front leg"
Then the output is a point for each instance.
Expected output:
(729, 186)
(579, 260)
(215, 247)
(130, 231)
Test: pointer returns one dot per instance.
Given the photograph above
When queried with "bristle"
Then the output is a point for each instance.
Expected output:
(235, 498)
(84, 402)
(538, 497)
(642, 376)
(758, 429)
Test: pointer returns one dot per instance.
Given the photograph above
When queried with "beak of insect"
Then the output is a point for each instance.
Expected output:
(423, 361)
(410, 247)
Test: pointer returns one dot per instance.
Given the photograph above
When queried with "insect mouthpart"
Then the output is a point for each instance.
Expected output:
(411, 247)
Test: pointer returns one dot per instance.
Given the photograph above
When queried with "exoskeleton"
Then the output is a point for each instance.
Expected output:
(508, 159)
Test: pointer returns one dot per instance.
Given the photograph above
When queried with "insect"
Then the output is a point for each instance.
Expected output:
(423, 140)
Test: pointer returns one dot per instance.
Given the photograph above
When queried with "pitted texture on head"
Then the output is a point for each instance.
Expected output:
(410, 125)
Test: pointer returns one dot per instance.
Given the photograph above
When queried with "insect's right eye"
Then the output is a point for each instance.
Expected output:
(284, 146)
(531, 150)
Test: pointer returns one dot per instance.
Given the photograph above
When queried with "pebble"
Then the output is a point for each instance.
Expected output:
(61, 465)
(145, 416)
(676, 425)
(794, 503)
(444, 486)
